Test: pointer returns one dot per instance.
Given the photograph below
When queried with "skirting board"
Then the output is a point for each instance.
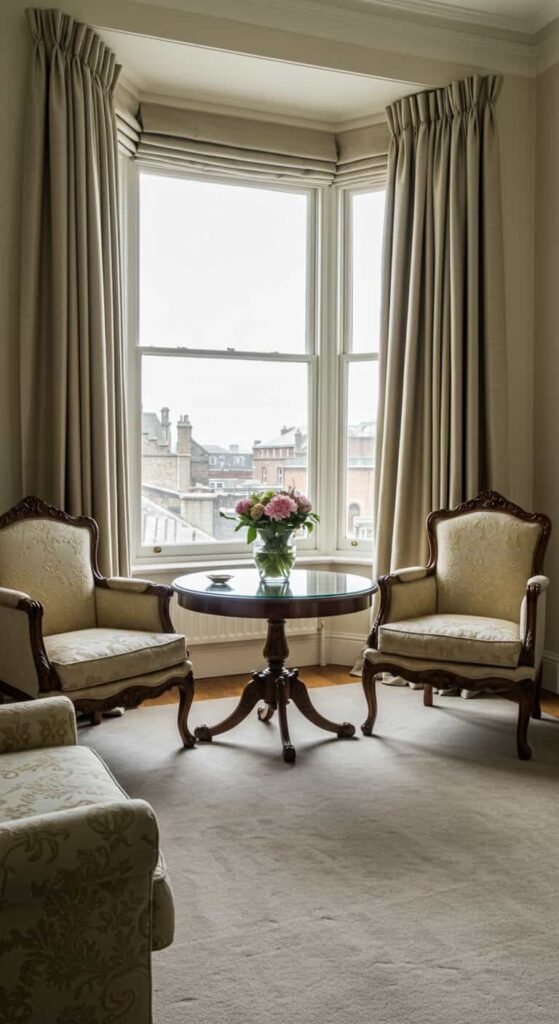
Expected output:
(343, 648)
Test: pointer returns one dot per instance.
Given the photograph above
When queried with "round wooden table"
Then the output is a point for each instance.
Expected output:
(309, 593)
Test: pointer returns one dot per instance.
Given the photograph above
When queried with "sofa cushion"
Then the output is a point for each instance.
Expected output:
(90, 657)
(474, 639)
(36, 782)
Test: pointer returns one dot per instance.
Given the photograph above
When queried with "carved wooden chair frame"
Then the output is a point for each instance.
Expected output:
(529, 690)
(32, 507)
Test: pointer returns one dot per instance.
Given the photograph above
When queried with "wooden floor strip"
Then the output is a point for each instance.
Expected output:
(314, 675)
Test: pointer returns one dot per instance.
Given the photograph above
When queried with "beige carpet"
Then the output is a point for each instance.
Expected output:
(410, 878)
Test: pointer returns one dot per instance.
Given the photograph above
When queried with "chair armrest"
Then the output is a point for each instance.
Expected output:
(404, 594)
(35, 724)
(11, 598)
(538, 581)
(83, 846)
(532, 621)
(25, 670)
(414, 572)
(123, 603)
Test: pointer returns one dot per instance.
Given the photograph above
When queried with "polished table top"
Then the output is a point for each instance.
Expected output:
(309, 592)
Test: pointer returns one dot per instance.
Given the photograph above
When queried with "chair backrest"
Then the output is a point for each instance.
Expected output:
(52, 557)
(485, 551)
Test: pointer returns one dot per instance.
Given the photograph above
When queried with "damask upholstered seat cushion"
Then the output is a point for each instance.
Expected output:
(92, 657)
(474, 639)
(42, 782)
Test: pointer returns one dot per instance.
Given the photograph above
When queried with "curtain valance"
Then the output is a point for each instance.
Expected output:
(268, 151)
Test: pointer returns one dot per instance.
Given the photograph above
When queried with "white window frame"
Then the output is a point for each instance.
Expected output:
(345, 355)
(327, 357)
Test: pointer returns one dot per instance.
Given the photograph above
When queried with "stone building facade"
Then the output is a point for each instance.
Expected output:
(179, 466)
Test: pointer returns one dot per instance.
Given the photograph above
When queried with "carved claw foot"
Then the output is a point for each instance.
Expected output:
(266, 713)
(346, 731)
(203, 733)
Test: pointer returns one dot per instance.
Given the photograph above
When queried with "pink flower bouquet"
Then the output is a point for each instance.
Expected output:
(272, 519)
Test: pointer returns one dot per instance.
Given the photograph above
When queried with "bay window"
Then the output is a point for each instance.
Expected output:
(235, 359)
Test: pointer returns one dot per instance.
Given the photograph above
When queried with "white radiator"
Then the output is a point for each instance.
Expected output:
(220, 629)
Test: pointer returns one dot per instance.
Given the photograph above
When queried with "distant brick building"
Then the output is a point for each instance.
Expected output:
(274, 460)
(179, 466)
(228, 466)
(283, 461)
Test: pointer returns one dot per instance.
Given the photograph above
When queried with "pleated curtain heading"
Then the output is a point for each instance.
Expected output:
(267, 151)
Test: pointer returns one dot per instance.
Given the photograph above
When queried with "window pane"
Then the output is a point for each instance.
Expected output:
(367, 216)
(213, 431)
(222, 266)
(360, 452)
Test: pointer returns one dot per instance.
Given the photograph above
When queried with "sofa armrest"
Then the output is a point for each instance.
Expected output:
(405, 593)
(35, 724)
(123, 603)
(532, 621)
(76, 901)
(82, 846)
(25, 670)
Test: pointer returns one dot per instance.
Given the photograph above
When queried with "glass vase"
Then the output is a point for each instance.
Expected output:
(274, 555)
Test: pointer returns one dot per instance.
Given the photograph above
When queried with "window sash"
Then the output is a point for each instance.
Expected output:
(238, 548)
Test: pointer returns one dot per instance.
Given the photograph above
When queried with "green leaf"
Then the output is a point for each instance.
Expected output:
(251, 534)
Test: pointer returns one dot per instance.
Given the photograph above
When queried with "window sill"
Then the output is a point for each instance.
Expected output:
(153, 570)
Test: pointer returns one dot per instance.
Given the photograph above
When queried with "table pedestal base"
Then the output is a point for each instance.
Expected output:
(276, 686)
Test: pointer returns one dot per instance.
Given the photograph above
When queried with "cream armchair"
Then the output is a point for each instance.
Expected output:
(66, 629)
(84, 897)
(474, 616)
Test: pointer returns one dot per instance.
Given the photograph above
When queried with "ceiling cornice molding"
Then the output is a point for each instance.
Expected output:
(469, 17)
(394, 30)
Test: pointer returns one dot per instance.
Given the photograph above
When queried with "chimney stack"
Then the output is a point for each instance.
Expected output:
(184, 453)
(165, 424)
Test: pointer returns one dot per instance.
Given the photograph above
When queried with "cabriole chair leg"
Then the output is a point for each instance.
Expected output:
(524, 711)
(186, 696)
(536, 703)
(368, 681)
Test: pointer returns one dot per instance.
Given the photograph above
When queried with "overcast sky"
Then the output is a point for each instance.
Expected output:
(224, 266)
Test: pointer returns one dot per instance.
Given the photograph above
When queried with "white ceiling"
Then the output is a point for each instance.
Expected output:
(206, 77)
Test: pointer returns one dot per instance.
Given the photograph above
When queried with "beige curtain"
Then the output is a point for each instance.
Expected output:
(441, 433)
(72, 381)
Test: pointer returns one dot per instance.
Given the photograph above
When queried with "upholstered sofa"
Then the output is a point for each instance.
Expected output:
(84, 897)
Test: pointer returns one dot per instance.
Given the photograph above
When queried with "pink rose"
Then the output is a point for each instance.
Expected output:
(242, 508)
(304, 504)
(280, 507)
